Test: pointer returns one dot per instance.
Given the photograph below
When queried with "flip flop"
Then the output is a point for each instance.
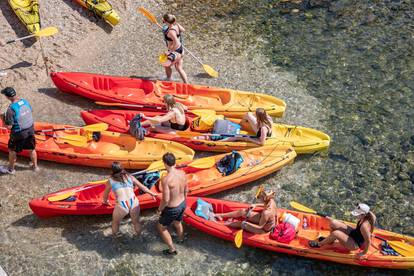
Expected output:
(167, 252)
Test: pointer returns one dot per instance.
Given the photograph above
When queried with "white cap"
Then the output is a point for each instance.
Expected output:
(362, 209)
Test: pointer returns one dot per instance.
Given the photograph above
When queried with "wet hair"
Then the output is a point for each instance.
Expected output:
(371, 218)
(171, 103)
(118, 173)
(168, 159)
(263, 119)
(169, 18)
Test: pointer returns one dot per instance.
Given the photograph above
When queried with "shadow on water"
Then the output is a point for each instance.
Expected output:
(68, 98)
(90, 15)
(17, 26)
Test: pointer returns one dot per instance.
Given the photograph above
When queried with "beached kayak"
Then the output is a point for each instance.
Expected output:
(102, 9)
(302, 139)
(149, 94)
(316, 227)
(258, 162)
(28, 13)
(110, 147)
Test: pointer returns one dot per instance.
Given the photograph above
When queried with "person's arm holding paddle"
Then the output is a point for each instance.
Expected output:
(143, 188)
(106, 193)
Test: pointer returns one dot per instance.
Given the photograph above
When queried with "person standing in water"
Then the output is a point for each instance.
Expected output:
(171, 210)
(173, 38)
(19, 120)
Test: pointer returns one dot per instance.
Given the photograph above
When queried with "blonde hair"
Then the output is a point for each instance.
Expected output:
(169, 18)
(263, 119)
(171, 103)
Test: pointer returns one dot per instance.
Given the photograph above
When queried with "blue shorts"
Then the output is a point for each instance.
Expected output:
(169, 215)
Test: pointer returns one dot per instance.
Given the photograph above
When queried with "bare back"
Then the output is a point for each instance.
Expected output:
(174, 186)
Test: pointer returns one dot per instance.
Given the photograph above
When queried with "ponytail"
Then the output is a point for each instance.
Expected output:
(371, 218)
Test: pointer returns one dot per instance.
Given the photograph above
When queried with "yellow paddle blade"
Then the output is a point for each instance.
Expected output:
(259, 191)
(238, 238)
(302, 208)
(49, 31)
(74, 140)
(209, 70)
(203, 112)
(155, 166)
(148, 15)
(61, 196)
(203, 163)
(402, 248)
(96, 127)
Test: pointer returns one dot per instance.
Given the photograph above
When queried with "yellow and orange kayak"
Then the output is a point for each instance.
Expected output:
(28, 13)
(102, 9)
(64, 147)
(316, 227)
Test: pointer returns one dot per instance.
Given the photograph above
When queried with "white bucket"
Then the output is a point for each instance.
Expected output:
(291, 219)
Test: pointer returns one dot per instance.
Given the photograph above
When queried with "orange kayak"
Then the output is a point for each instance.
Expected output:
(87, 199)
(316, 227)
(112, 146)
(302, 139)
(141, 93)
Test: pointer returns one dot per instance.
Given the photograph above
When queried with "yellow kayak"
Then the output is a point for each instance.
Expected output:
(28, 12)
(102, 9)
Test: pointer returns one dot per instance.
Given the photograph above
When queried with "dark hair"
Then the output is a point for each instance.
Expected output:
(371, 218)
(169, 18)
(8, 92)
(118, 173)
(169, 159)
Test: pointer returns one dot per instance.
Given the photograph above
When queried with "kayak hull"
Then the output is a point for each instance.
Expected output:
(131, 92)
(303, 140)
(103, 9)
(258, 163)
(111, 147)
(28, 13)
(317, 227)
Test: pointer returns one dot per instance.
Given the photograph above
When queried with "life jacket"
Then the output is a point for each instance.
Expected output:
(230, 163)
(148, 179)
(205, 122)
(23, 118)
(283, 232)
(136, 129)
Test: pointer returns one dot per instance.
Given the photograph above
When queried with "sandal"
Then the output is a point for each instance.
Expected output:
(168, 252)
(180, 241)
(314, 244)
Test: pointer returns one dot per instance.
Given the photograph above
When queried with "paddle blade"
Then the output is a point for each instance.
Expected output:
(148, 15)
(96, 127)
(209, 70)
(203, 112)
(49, 31)
(302, 208)
(60, 197)
(259, 191)
(74, 140)
(238, 238)
(156, 166)
(402, 248)
(203, 163)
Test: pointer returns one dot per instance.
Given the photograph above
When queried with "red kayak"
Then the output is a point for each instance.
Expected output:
(316, 227)
(87, 199)
(140, 93)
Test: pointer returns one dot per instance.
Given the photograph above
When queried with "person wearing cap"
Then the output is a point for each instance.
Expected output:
(255, 222)
(173, 39)
(349, 237)
(19, 120)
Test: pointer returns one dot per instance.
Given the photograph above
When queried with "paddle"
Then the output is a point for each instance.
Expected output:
(94, 127)
(131, 105)
(238, 238)
(402, 248)
(203, 163)
(209, 70)
(75, 140)
(49, 31)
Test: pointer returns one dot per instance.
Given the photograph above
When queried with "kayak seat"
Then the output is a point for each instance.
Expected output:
(105, 148)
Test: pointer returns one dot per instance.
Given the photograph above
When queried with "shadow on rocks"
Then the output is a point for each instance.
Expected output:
(202, 76)
(21, 64)
(68, 98)
(17, 26)
(90, 16)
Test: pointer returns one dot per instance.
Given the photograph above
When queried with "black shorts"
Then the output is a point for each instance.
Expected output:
(169, 215)
(22, 140)
(176, 126)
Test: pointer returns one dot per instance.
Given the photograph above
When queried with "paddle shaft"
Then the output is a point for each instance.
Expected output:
(20, 38)
(131, 105)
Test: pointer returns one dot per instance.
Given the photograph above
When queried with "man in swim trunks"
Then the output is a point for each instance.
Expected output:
(171, 210)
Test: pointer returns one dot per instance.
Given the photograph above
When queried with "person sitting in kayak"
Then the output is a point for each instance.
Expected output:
(174, 119)
(261, 123)
(255, 222)
(349, 237)
(122, 185)
(173, 38)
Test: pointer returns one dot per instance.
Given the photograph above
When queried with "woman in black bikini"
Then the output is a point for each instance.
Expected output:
(261, 123)
(348, 237)
(172, 36)
(174, 119)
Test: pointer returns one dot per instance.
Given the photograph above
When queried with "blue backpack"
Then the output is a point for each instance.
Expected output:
(204, 210)
(136, 129)
(148, 179)
(230, 163)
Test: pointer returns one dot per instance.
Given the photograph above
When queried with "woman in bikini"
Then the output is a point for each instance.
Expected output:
(174, 119)
(261, 123)
(349, 237)
(255, 222)
(122, 185)
(173, 38)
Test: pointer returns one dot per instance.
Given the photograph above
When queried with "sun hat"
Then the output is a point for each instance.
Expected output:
(361, 209)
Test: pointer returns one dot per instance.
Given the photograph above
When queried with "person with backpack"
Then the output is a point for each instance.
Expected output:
(19, 120)
(173, 39)
(255, 222)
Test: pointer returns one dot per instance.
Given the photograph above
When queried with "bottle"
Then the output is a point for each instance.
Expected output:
(305, 223)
